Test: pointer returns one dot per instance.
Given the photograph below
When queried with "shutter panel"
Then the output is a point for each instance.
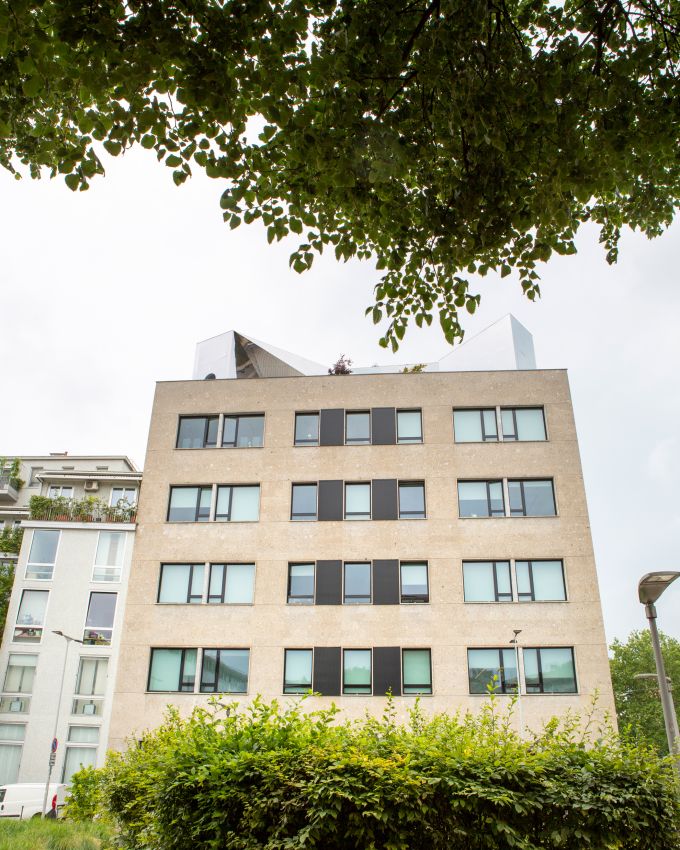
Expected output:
(384, 499)
(332, 427)
(330, 500)
(326, 679)
(386, 582)
(329, 582)
(386, 670)
(383, 426)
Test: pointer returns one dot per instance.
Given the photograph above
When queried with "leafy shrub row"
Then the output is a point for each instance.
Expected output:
(280, 779)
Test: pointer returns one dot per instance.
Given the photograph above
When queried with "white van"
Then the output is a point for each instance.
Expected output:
(24, 800)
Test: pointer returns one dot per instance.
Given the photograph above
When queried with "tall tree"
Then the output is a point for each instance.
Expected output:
(638, 704)
(440, 137)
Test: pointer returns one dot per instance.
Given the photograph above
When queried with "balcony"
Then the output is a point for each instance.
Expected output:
(9, 490)
(72, 510)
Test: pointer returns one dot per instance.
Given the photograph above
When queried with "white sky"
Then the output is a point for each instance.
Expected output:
(107, 291)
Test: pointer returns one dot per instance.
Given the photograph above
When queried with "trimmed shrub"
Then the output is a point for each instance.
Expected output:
(279, 779)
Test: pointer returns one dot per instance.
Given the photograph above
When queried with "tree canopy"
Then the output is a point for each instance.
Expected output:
(638, 704)
(441, 139)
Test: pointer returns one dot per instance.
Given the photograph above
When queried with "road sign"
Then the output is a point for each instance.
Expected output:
(55, 744)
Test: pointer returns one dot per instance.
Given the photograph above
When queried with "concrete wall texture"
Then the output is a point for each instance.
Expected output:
(446, 624)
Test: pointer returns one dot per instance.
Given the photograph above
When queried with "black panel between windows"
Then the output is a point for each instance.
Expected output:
(385, 498)
(327, 670)
(332, 427)
(386, 582)
(330, 500)
(384, 426)
(329, 583)
(386, 670)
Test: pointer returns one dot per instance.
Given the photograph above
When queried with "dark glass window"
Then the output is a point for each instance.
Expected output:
(523, 423)
(301, 584)
(297, 671)
(306, 429)
(414, 584)
(356, 671)
(303, 503)
(172, 670)
(550, 671)
(243, 431)
(181, 583)
(475, 426)
(540, 581)
(409, 426)
(357, 501)
(411, 500)
(189, 504)
(197, 432)
(358, 428)
(99, 621)
(480, 499)
(487, 581)
(492, 670)
(225, 671)
(417, 671)
(357, 583)
(531, 498)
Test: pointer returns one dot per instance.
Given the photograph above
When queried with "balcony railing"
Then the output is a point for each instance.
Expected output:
(83, 513)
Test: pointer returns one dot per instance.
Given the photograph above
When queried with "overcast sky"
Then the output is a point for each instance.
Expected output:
(107, 291)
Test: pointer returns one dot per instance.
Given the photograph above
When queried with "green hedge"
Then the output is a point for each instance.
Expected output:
(266, 777)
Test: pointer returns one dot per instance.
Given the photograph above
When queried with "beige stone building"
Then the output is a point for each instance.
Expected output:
(354, 534)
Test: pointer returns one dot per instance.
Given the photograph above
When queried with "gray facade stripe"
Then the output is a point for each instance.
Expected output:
(384, 498)
(386, 582)
(383, 426)
(327, 670)
(330, 500)
(386, 670)
(332, 427)
(329, 582)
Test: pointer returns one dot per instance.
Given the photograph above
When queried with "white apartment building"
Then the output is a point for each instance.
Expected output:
(71, 577)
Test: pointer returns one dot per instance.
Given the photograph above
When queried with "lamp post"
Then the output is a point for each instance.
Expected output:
(53, 746)
(650, 588)
(515, 642)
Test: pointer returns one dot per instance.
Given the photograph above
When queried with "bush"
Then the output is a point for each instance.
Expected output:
(39, 834)
(264, 777)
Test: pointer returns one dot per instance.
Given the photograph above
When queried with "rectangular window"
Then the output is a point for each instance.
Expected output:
(411, 500)
(31, 616)
(297, 671)
(238, 503)
(356, 671)
(181, 583)
(480, 499)
(243, 432)
(531, 498)
(492, 670)
(225, 671)
(358, 428)
(57, 491)
(197, 432)
(43, 554)
(357, 583)
(99, 621)
(122, 496)
(416, 671)
(189, 504)
(77, 758)
(475, 426)
(301, 584)
(83, 734)
(540, 581)
(108, 561)
(306, 429)
(487, 581)
(90, 684)
(20, 674)
(231, 584)
(11, 738)
(172, 670)
(550, 671)
(523, 423)
(357, 501)
(409, 426)
(303, 503)
(414, 584)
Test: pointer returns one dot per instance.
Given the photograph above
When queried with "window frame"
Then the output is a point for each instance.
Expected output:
(98, 631)
(414, 599)
(494, 562)
(231, 487)
(219, 650)
(502, 688)
(365, 693)
(53, 565)
(512, 409)
(542, 692)
(300, 686)
(190, 582)
(299, 599)
(124, 498)
(206, 445)
(361, 441)
(120, 568)
(60, 488)
(238, 417)
(409, 442)
(522, 481)
(532, 593)
(488, 482)
(199, 488)
(304, 517)
(39, 628)
(183, 650)
(359, 599)
(357, 516)
(421, 686)
(480, 411)
(409, 515)
(210, 597)
(5, 689)
(316, 442)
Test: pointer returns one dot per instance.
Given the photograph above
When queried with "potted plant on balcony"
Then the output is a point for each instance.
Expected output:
(60, 508)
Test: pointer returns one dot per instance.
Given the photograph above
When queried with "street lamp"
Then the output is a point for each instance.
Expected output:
(650, 588)
(53, 749)
(515, 641)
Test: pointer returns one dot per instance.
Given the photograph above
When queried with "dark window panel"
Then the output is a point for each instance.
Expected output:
(330, 500)
(384, 492)
(386, 670)
(384, 426)
(329, 582)
(332, 427)
(386, 582)
(327, 670)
